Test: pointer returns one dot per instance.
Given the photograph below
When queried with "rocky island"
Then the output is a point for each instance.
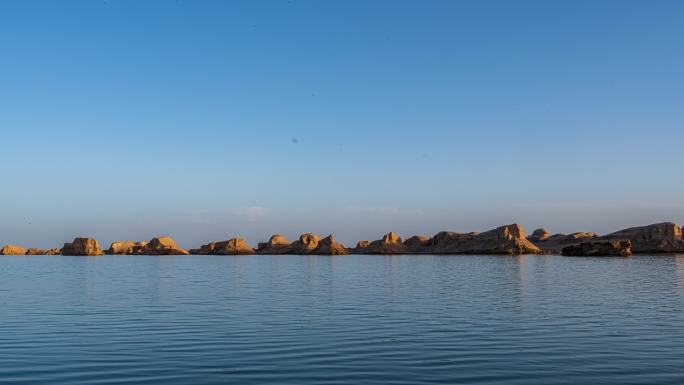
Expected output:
(663, 237)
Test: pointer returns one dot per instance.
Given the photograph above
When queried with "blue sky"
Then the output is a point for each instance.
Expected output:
(206, 120)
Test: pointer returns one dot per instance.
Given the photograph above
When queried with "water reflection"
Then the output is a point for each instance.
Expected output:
(342, 320)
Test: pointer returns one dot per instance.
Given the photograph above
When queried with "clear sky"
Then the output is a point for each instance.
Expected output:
(205, 120)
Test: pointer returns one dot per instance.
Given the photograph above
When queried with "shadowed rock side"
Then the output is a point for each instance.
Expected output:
(389, 244)
(233, 246)
(277, 244)
(162, 246)
(33, 251)
(508, 239)
(12, 250)
(82, 246)
(329, 246)
(126, 248)
(556, 242)
(657, 238)
(418, 244)
(607, 248)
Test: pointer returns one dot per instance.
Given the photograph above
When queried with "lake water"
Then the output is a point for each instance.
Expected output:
(341, 320)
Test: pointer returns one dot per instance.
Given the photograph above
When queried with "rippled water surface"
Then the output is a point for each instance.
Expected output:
(341, 320)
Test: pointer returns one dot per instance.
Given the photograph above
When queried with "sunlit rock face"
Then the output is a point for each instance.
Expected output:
(390, 243)
(329, 246)
(233, 246)
(162, 246)
(12, 250)
(605, 248)
(306, 244)
(360, 245)
(82, 246)
(277, 244)
(126, 248)
(657, 238)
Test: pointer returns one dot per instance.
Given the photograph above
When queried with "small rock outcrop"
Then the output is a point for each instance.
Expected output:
(207, 249)
(306, 244)
(329, 246)
(33, 251)
(162, 246)
(555, 243)
(418, 244)
(277, 244)
(607, 248)
(657, 238)
(390, 243)
(233, 246)
(126, 248)
(508, 239)
(538, 235)
(360, 245)
(82, 246)
(442, 239)
(12, 250)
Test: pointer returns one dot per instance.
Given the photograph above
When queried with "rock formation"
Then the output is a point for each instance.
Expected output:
(502, 240)
(33, 251)
(233, 246)
(12, 250)
(555, 243)
(126, 248)
(162, 246)
(360, 245)
(277, 244)
(443, 238)
(82, 246)
(418, 244)
(306, 244)
(329, 246)
(657, 238)
(607, 248)
(389, 244)
(538, 235)
(207, 249)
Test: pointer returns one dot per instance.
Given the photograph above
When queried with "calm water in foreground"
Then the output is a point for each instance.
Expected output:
(341, 320)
